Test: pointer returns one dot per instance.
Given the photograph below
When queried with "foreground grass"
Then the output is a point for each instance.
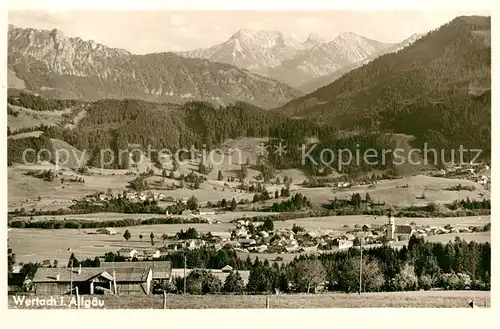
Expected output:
(416, 299)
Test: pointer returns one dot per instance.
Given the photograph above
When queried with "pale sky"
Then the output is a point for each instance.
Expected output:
(157, 31)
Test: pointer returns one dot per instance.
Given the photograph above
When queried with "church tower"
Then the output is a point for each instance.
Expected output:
(391, 227)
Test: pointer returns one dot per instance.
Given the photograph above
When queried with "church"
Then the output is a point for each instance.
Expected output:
(395, 232)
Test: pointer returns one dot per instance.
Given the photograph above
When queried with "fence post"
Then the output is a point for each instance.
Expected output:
(164, 300)
(77, 298)
(267, 301)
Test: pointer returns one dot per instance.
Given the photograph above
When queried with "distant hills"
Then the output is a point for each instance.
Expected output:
(292, 61)
(324, 80)
(49, 63)
(254, 50)
(438, 89)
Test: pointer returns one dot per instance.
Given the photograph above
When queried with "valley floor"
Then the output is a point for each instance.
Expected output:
(38, 244)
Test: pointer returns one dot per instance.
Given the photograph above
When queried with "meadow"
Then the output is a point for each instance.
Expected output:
(408, 299)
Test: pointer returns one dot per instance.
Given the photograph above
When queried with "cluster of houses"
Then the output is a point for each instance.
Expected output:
(473, 172)
(286, 240)
(128, 195)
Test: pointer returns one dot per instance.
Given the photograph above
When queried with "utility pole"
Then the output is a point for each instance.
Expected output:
(71, 279)
(360, 265)
(184, 273)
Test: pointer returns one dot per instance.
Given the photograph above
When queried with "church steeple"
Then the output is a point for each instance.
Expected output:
(391, 226)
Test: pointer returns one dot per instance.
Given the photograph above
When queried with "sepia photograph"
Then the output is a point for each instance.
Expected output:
(271, 159)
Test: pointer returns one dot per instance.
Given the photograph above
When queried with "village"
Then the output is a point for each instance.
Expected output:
(248, 238)
(132, 270)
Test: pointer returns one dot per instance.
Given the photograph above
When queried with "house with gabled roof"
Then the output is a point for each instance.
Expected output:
(93, 280)
(161, 270)
(227, 268)
(128, 253)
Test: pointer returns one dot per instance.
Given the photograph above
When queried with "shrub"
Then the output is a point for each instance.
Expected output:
(426, 282)
(406, 279)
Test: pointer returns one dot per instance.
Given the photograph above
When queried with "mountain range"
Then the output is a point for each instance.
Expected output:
(437, 89)
(326, 79)
(291, 61)
(49, 63)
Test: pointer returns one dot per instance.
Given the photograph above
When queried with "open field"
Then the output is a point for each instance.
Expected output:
(411, 299)
(38, 244)
(336, 222)
(478, 237)
(102, 216)
(56, 195)
(28, 118)
(235, 152)
(389, 192)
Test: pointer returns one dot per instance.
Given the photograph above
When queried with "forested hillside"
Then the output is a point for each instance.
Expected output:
(127, 124)
(437, 89)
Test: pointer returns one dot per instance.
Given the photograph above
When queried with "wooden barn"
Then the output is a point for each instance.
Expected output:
(93, 280)
(161, 270)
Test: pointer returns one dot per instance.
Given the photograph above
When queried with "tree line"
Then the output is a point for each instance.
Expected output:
(84, 224)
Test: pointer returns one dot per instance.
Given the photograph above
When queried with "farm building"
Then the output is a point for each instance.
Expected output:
(161, 270)
(227, 268)
(127, 252)
(344, 244)
(107, 230)
(194, 244)
(93, 280)
(221, 236)
(247, 242)
(149, 254)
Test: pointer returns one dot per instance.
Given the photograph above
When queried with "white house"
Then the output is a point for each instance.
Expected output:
(107, 230)
(241, 232)
(127, 252)
(149, 253)
(260, 248)
(227, 268)
(195, 244)
(344, 244)
(223, 236)
(292, 248)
